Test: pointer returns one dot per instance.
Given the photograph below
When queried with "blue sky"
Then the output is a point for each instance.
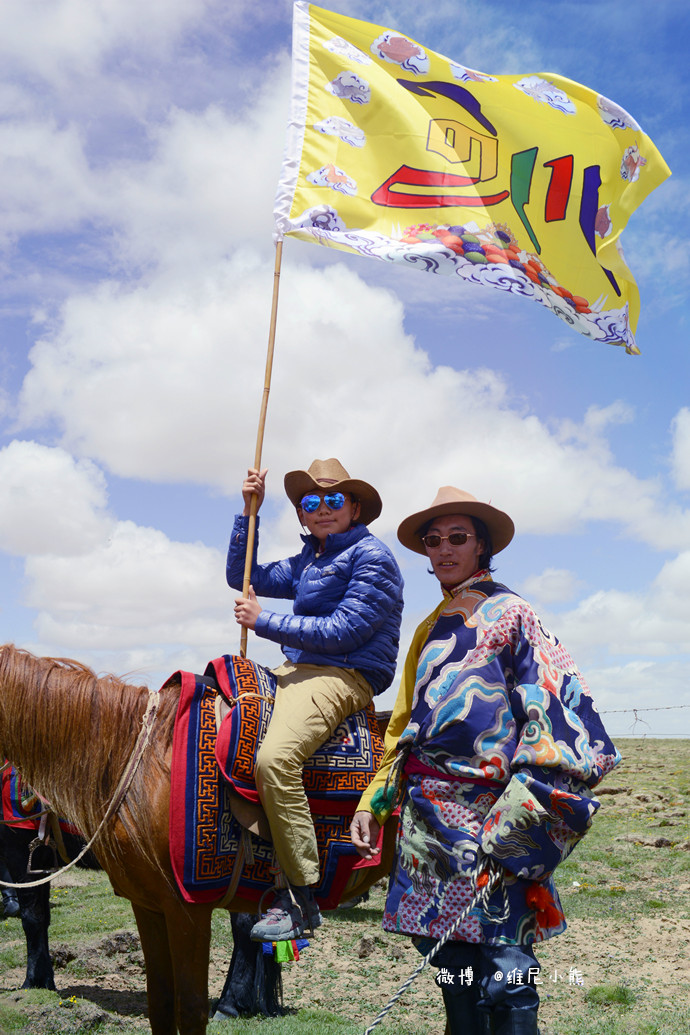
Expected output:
(140, 149)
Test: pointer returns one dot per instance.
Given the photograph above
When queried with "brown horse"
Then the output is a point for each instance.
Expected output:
(72, 734)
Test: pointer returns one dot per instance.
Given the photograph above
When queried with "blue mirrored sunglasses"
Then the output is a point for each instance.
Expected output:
(312, 502)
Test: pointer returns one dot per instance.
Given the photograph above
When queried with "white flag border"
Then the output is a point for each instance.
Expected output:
(297, 121)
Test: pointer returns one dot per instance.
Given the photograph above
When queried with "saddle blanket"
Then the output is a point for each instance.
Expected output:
(21, 807)
(204, 835)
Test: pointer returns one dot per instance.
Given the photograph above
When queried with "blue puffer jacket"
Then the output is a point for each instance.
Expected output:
(348, 601)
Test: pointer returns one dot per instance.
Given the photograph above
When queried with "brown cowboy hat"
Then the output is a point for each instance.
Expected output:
(450, 500)
(332, 476)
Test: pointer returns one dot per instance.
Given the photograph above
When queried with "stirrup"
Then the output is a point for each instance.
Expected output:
(298, 899)
(48, 845)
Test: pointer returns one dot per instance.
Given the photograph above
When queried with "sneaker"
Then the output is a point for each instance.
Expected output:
(285, 920)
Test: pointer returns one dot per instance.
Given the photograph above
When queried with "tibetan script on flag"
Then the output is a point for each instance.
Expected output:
(520, 182)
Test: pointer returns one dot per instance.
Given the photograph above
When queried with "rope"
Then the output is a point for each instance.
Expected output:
(119, 795)
(16, 822)
(486, 883)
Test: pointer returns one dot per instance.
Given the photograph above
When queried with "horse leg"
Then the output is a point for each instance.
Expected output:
(160, 985)
(34, 904)
(176, 950)
(189, 936)
(253, 980)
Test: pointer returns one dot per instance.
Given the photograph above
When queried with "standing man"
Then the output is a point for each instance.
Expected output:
(494, 747)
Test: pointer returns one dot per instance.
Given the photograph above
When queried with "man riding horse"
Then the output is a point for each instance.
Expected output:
(341, 646)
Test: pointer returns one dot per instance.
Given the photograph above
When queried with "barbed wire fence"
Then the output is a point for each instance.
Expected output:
(635, 712)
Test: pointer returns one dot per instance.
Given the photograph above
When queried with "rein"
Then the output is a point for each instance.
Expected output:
(18, 822)
(120, 791)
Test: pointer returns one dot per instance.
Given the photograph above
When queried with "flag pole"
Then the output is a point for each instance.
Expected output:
(251, 529)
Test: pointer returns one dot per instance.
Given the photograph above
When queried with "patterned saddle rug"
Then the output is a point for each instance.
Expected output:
(21, 807)
(208, 770)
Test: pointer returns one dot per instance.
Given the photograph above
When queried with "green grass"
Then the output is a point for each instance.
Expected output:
(86, 910)
(609, 995)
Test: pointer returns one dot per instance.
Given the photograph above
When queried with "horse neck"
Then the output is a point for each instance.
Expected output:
(69, 732)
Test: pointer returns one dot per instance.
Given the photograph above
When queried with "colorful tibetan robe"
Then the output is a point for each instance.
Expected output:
(498, 745)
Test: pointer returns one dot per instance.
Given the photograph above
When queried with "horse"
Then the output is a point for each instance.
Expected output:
(72, 735)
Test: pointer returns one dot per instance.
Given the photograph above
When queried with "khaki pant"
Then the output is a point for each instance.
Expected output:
(311, 701)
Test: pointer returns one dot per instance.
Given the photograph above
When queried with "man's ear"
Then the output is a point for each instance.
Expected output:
(356, 509)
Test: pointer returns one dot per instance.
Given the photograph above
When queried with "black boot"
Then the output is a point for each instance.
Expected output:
(10, 902)
(462, 1015)
(515, 1022)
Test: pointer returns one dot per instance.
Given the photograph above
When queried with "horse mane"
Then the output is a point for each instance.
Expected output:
(71, 733)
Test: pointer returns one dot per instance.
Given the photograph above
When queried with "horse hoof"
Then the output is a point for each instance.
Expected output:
(11, 908)
(224, 1011)
(49, 985)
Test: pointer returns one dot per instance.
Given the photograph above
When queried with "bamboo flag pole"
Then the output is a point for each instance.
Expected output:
(251, 530)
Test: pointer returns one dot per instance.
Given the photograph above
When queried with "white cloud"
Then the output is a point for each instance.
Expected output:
(50, 503)
(552, 586)
(680, 457)
(156, 381)
(163, 382)
(47, 184)
(139, 602)
(60, 38)
(102, 150)
(161, 378)
(208, 185)
(651, 621)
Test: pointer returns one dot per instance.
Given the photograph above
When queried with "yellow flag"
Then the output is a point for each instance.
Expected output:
(520, 182)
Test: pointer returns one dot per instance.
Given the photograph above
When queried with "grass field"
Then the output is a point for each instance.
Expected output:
(621, 968)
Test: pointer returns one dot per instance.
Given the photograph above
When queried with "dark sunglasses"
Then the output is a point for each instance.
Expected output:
(433, 541)
(312, 502)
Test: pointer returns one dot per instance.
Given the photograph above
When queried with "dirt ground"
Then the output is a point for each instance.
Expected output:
(651, 951)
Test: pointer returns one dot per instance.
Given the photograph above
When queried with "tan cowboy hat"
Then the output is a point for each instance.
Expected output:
(450, 500)
(332, 476)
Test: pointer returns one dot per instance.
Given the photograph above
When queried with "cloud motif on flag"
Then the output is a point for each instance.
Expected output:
(350, 87)
(470, 75)
(321, 217)
(632, 163)
(336, 179)
(337, 45)
(615, 116)
(541, 90)
(341, 128)
(602, 224)
(400, 50)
